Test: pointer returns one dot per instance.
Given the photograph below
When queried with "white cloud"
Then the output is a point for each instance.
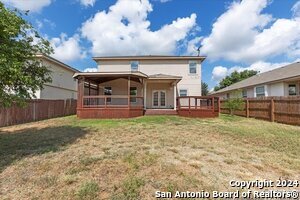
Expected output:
(219, 72)
(32, 5)
(124, 29)
(88, 2)
(67, 49)
(241, 34)
(90, 70)
(296, 9)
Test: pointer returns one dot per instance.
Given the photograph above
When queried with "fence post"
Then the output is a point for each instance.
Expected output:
(247, 108)
(272, 109)
(33, 110)
(219, 105)
(189, 104)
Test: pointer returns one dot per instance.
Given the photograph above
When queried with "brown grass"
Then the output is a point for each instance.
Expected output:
(66, 158)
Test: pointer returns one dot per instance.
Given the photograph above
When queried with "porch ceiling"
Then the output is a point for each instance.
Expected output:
(101, 77)
(100, 80)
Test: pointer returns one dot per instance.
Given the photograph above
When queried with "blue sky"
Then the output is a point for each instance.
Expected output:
(234, 35)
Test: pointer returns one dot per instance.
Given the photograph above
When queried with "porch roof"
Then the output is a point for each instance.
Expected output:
(101, 77)
(109, 74)
(164, 77)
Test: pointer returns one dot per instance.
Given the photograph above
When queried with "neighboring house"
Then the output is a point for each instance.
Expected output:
(283, 81)
(63, 85)
(147, 82)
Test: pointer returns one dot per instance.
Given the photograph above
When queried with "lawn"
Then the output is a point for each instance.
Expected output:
(67, 158)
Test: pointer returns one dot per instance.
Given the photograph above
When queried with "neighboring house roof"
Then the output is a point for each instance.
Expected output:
(53, 60)
(285, 72)
(163, 76)
(150, 57)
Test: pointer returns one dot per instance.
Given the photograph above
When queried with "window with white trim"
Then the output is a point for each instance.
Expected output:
(244, 93)
(292, 90)
(134, 65)
(260, 91)
(193, 67)
(183, 93)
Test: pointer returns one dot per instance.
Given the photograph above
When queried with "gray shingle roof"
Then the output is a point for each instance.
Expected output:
(281, 73)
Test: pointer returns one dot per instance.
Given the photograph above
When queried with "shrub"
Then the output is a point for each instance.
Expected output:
(234, 104)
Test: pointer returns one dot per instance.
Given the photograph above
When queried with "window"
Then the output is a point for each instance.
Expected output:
(193, 67)
(260, 91)
(227, 96)
(183, 93)
(134, 65)
(244, 93)
(292, 89)
(108, 91)
(133, 92)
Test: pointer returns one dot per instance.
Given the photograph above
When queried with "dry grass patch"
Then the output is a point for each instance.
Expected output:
(67, 158)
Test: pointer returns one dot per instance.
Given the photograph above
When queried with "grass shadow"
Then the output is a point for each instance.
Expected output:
(33, 141)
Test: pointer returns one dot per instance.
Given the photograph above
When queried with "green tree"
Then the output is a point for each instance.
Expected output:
(235, 77)
(204, 88)
(21, 74)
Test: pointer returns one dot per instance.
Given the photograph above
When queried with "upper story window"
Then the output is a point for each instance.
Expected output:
(193, 67)
(134, 65)
(183, 93)
(292, 89)
(244, 93)
(260, 91)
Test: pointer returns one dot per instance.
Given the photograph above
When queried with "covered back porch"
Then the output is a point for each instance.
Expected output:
(110, 95)
(132, 94)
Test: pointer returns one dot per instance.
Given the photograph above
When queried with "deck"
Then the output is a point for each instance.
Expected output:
(114, 106)
(198, 106)
(124, 106)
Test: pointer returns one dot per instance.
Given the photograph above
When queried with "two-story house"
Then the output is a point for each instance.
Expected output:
(126, 86)
(63, 85)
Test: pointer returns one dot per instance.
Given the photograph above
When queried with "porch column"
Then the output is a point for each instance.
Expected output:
(145, 93)
(128, 92)
(175, 96)
(80, 92)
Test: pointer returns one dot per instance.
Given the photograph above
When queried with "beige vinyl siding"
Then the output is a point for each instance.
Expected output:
(191, 82)
(63, 85)
(50, 92)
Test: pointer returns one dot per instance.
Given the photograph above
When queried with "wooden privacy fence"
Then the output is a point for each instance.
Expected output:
(37, 110)
(275, 109)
